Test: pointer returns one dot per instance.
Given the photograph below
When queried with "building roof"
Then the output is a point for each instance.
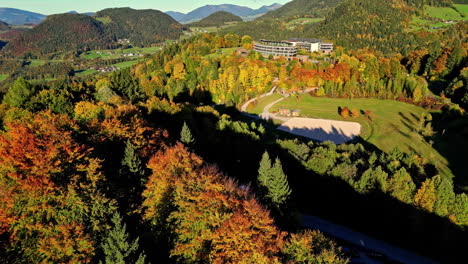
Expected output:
(275, 43)
(305, 40)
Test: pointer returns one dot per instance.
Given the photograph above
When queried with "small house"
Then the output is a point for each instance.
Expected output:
(296, 113)
(284, 112)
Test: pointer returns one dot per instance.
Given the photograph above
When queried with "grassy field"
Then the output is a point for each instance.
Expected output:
(445, 13)
(302, 21)
(225, 51)
(35, 63)
(117, 53)
(394, 124)
(86, 73)
(3, 77)
(463, 9)
(126, 64)
(258, 107)
(434, 17)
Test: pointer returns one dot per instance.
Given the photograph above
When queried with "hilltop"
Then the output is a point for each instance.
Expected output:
(244, 12)
(216, 19)
(69, 32)
(301, 8)
(14, 16)
(141, 27)
(62, 32)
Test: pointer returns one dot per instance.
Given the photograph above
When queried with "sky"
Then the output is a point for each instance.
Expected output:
(48, 7)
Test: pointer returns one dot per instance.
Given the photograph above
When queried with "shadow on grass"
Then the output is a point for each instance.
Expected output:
(375, 214)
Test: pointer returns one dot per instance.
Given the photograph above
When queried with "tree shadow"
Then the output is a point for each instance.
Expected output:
(451, 142)
(376, 214)
(406, 118)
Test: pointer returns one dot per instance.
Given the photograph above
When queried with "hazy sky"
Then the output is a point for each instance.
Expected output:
(48, 7)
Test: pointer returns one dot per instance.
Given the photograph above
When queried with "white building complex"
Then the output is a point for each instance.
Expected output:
(290, 47)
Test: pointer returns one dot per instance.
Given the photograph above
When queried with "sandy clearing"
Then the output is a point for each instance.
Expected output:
(322, 129)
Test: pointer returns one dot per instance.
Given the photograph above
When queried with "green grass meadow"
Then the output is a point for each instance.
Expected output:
(394, 125)
(3, 77)
(463, 9)
(445, 13)
(258, 106)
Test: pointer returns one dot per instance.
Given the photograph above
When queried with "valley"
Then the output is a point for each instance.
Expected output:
(212, 133)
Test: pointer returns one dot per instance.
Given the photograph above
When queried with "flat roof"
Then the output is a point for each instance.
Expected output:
(311, 40)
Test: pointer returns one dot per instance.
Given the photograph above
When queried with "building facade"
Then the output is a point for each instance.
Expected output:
(275, 48)
(290, 48)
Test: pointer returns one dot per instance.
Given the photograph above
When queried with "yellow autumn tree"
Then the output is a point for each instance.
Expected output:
(426, 196)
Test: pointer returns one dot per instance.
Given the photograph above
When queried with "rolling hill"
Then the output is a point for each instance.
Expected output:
(204, 11)
(216, 19)
(141, 27)
(301, 8)
(386, 26)
(4, 26)
(176, 15)
(14, 16)
(62, 32)
(69, 32)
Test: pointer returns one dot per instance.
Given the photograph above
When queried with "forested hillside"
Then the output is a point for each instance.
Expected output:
(57, 33)
(303, 8)
(141, 27)
(140, 153)
(216, 19)
(76, 32)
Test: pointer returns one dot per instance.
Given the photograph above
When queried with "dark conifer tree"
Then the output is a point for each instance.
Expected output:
(117, 246)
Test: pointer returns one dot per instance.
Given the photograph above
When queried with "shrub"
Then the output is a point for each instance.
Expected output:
(344, 112)
(354, 113)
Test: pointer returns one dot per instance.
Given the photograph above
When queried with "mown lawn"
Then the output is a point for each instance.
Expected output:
(394, 125)
(258, 106)
(3, 77)
(462, 9)
(117, 53)
(445, 13)
(225, 51)
(126, 64)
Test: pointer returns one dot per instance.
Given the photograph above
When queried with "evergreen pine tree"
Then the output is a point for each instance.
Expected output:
(186, 136)
(131, 161)
(264, 170)
(19, 93)
(278, 187)
(117, 247)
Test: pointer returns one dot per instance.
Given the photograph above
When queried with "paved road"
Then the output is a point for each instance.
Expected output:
(244, 106)
(341, 232)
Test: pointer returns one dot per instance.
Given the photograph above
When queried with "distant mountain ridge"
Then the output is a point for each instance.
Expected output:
(4, 26)
(204, 11)
(15, 16)
(70, 32)
(217, 19)
(298, 8)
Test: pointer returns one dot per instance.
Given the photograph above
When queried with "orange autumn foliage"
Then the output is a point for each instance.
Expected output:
(202, 207)
(40, 199)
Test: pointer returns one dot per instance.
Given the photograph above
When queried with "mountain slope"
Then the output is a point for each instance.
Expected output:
(207, 10)
(204, 11)
(142, 27)
(216, 19)
(62, 32)
(14, 16)
(4, 26)
(176, 15)
(300, 8)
